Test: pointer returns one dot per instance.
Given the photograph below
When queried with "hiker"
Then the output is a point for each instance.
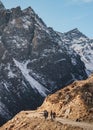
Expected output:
(54, 115)
(45, 114)
(51, 115)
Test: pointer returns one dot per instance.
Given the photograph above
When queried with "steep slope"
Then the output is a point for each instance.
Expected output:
(34, 61)
(74, 101)
(25, 121)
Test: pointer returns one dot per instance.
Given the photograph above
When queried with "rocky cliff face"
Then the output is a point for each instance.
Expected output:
(34, 61)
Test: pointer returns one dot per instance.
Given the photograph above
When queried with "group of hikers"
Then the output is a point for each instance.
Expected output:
(52, 114)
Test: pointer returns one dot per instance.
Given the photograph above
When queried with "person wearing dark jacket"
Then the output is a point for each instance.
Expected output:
(45, 114)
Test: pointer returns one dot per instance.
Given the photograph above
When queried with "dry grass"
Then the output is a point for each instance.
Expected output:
(23, 122)
(73, 102)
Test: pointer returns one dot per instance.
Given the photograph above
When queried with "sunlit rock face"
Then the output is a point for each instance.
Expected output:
(75, 101)
(35, 60)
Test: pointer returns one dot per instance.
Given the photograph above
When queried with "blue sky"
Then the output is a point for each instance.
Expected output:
(62, 15)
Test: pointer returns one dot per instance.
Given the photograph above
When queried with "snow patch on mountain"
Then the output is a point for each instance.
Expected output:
(73, 60)
(6, 87)
(4, 55)
(13, 22)
(17, 40)
(34, 84)
(10, 73)
(26, 22)
(84, 49)
(60, 60)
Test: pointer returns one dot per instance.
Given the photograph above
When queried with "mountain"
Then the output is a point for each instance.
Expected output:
(82, 45)
(35, 60)
(1, 6)
(73, 102)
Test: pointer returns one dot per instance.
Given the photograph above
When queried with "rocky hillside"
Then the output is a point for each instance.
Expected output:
(24, 121)
(74, 101)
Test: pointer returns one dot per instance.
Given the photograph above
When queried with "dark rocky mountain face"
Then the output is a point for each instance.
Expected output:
(34, 61)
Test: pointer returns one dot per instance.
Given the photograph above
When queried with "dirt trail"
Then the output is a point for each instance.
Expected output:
(84, 125)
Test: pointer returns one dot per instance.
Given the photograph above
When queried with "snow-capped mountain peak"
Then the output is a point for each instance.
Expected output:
(1, 6)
